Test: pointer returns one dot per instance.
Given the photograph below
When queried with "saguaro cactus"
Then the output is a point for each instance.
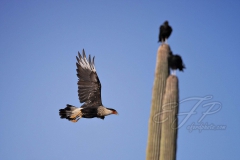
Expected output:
(154, 127)
(169, 120)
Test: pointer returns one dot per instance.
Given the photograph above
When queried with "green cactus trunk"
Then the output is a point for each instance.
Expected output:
(154, 130)
(162, 127)
(170, 120)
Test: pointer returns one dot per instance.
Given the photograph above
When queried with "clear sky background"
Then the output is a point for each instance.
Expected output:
(38, 44)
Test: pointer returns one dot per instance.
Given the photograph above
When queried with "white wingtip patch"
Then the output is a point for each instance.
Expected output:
(85, 64)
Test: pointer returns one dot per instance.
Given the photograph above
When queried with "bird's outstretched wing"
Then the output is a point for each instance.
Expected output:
(89, 86)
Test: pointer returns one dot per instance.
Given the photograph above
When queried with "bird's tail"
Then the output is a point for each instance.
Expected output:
(71, 113)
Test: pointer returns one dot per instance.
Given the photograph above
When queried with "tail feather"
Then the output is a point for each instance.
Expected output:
(71, 113)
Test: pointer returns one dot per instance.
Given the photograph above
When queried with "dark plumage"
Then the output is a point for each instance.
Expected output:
(175, 62)
(89, 93)
(164, 32)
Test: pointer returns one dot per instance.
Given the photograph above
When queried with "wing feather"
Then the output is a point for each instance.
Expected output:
(89, 86)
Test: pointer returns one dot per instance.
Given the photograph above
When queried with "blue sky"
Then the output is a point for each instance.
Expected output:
(38, 44)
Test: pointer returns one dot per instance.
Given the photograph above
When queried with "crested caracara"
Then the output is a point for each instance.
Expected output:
(164, 32)
(89, 93)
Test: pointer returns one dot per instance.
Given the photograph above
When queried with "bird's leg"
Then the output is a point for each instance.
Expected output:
(74, 120)
(174, 72)
(166, 41)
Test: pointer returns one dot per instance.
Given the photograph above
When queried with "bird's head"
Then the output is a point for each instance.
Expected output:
(113, 111)
(166, 22)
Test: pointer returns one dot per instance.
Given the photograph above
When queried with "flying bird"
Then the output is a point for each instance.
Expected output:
(165, 31)
(89, 93)
(175, 62)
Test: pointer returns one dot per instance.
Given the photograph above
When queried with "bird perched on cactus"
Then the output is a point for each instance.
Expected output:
(175, 62)
(165, 31)
(89, 93)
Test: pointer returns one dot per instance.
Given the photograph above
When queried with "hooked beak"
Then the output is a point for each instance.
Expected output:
(115, 112)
